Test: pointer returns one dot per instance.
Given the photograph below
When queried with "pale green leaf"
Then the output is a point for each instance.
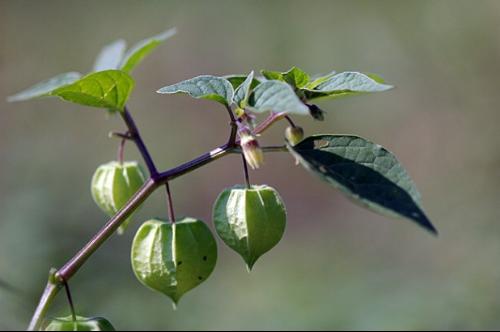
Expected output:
(203, 87)
(276, 96)
(44, 88)
(135, 55)
(243, 91)
(106, 89)
(364, 171)
(344, 84)
(318, 80)
(110, 56)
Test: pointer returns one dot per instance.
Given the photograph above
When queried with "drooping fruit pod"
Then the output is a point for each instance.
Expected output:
(251, 221)
(294, 135)
(113, 184)
(173, 258)
(81, 324)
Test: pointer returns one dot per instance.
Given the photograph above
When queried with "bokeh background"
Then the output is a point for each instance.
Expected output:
(339, 266)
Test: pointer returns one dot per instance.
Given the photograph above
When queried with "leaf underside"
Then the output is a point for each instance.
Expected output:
(345, 84)
(242, 93)
(110, 56)
(366, 172)
(203, 87)
(44, 88)
(276, 96)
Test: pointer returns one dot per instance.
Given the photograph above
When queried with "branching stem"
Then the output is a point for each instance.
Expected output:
(64, 274)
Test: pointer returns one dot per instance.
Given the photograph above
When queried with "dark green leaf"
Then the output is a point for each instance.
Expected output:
(243, 91)
(110, 56)
(365, 172)
(204, 87)
(44, 88)
(106, 89)
(135, 55)
(276, 96)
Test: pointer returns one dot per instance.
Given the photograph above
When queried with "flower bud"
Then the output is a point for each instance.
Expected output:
(251, 149)
(294, 135)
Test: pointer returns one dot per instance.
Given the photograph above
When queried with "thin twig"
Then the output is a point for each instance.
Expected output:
(70, 300)
(290, 121)
(141, 146)
(121, 150)
(170, 205)
(245, 171)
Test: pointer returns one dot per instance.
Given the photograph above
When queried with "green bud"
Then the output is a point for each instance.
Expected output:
(251, 221)
(113, 184)
(173, 258)
(81, 324)
(294, 135)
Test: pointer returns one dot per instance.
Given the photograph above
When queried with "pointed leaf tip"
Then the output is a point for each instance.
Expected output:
(110, 56)
(203, 87)
(365, 172)
(44, 88)
(141, 49)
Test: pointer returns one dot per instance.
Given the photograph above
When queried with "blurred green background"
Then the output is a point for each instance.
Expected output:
(339, 266)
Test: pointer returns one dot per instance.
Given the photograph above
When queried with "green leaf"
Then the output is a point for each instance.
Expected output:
(272, 75)
(204, 87)
(318, 80)
(366, 172)
(296, 77)
(135, 55)
(106, 89)
(276, 96)
(346, 83)
(44, 88)
(110, 56)
(237, 80)
(243, 91)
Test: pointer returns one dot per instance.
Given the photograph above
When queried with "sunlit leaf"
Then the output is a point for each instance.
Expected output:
(135, 55)
(106, 89)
